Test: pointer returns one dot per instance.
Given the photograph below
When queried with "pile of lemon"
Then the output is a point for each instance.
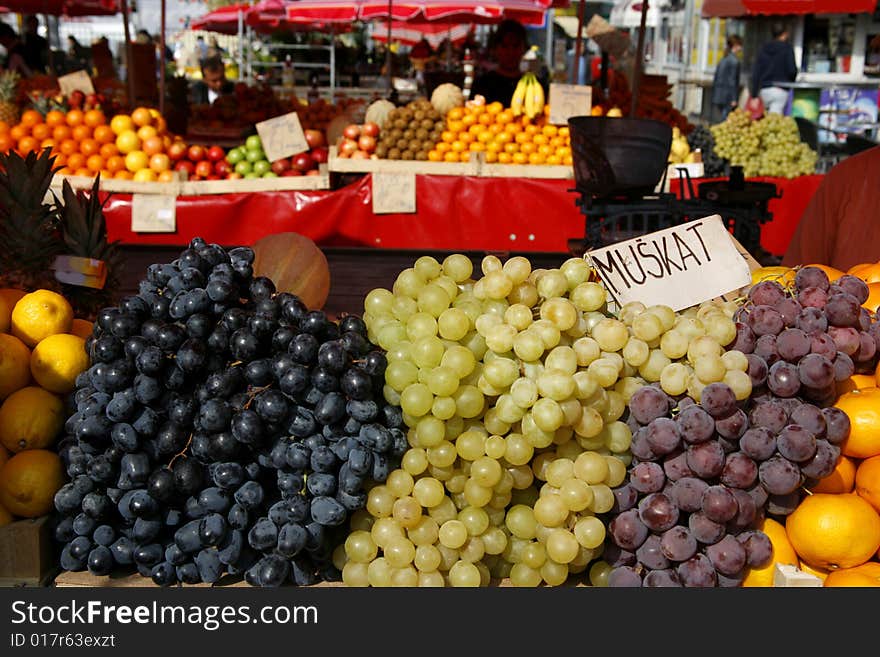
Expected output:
(42, 351)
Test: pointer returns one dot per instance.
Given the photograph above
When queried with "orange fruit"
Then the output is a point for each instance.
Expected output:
(161, 124)
(123, 174)
(466, 137)
(15, 360)
(68, 147)
(821, 573)
(81, 327)
(832, 272)
(505, 158)
(83, 171)
(841, 480)
(145, 175)
(866, 575)
(868, 481)
(476, 147)
(872, 303)
(455, 126)
(455, 114)
(127, 142)
(5, 516)
(136, 160)
(491, 157)
(94, 117)
(103, 134)
(57, 360)
(108, 150)
(510, 148)
(863, 409)
(537, 158)
(165, 176)
(152, 145)
(115, 163)
(450, 156)
(4, 127)
(30, 118)
(867, 271)
(141, 116)
(74, 117)
(54, 118)
(29, 481)
(783, 553)
(528, 147)
(80, 132)
(89, 147)
(834, 531)
(95, 163)
(160, 162)
(17, 132)
(61, 132)
(5, 143)
(28, 144)
(458, 146)
(856, 382)
(76, 161)
(48, 143)
(147, 131)
(520, 158)
(435, 156)
(41, 131)
(494, 108)
(121, 123)
(32, 417)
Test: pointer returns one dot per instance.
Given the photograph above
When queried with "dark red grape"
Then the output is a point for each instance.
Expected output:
(648, 403)
(766, 293)
(627, 530)
(796, 443)
(815, 371)
(757, 370)
(810, 418)
(765, 347)
(678, 544)
(640, 447)
(718, 400)
(745, 339)
(846, 338)
(811, 320)
(867, 347)
(615, 556)
(661, 578)
(759, 494)
(696, 425)
(823, 345)
(658, 512)
(704, 530)
(647, 477)
(783, 380)
(843, 310)
(740, 470)
(733, 426)
(823, 462)
(811, 277)
(675, 465)
(792, 344)
(789, 309)
(854, 286)
(624, 576)
(650, 554)
(812, 297)
(663, 436)
(697, 572)
(758, 443)
(783, 505)
(625, 498)
(765, 320)
(746, 511)
(779, 475)
(836, 425)
(759, 549)
(718, 504)
(843, 367)
(687, 493)
(706, 460)
(727, 555)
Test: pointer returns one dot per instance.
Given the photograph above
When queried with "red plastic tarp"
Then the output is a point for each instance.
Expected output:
(732, 8)
(452, 213)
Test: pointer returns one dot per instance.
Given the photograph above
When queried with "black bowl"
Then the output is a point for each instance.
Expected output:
(615, 156)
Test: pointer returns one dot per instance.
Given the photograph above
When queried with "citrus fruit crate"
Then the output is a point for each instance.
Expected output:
(26, 553)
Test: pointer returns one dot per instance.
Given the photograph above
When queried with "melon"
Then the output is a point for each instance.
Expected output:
(446, 96)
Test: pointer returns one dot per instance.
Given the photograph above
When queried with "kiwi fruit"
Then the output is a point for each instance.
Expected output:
(421, 134)
(394, 154)
(422, 155)
(427, 124)
(381, 151)
(401, 123)
(409, 134)
(418, 115)
(415, 145)
(406, 155)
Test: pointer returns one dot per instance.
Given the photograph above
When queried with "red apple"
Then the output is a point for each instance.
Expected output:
(313, 172)
(367, 143)
(196, 152)
(213, 176)
(291, 172)
(177, 151)
(222, 168)
(186, 167)
(370, 129)
(360, 155)
(314, 138)
(351, 131)
(303, 162)
(319, 154)
(204, 168)
(280, 166)
(215, 153)
(76, 98)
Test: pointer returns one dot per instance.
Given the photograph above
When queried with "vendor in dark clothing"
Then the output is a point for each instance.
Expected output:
(774, 63)
(508, 45)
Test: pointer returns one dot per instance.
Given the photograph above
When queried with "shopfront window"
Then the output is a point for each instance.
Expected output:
(828, 43)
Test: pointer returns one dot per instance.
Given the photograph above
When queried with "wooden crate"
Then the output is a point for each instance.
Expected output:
(26, 553)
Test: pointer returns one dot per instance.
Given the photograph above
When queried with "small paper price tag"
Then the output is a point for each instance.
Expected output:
(394, 193)
(678, 267)
(567, 100)
(282, 136)
(153, 213)
(76, 81)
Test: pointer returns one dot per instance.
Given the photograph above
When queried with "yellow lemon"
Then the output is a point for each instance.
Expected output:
(57, 360)
(40, 314)
(30, 418)
(15, 360)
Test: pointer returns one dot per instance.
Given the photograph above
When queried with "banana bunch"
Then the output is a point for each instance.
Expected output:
(528, 97)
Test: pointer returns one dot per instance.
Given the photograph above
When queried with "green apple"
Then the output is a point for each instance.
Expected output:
(253, 143)
(261, 166)
(235, 155)
(270, 174)
(252, 175)
(255, 156)
(244, 167)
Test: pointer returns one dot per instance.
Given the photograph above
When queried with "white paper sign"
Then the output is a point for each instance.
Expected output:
(282, 136)
(76, 81)
(678, 267)
(153, 213)
(394, 193)
(567, 100)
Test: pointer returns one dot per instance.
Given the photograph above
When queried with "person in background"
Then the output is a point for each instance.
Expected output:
(36, 48)
(507, 46)
(214, 49)
(774, 63)
(213, 83)
(838, 226)
(725, 84)
(15, 60)
(77, 54)
(201, 48)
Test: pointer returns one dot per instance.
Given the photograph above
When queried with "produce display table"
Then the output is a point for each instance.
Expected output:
(452, 213)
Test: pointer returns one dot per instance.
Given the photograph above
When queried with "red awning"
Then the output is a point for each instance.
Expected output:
(734, 8)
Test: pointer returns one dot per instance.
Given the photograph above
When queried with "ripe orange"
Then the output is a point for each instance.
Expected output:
(28, 144)
(121, 123)
(115, 163)
(867, 271)
(54, 118)
(145, 175)
(451, 156)
(29, 481)
(872, 303)
(141, 116)
(455, 114)
(5, 143)
(95, 163)
(94, 117)
(31, 418)
(74, 118)
(89, 147)
(68, 147)
(783, 553)
(520, 158)
(147, 131)
(31, 118)
(136, 160)
(856, 382)
(866, 575)
(108, 150)
(41, 131)
(504, 158)
(83, 171)
(160, 162)
(61, 132)
(435, 156)
(832, 272)
(48, 143)
(81, 327)
(152, 145)
(491, 157)
(841, 480)
(834, 531)
(123, 174)
(868, 481)
(165, 176)
(81, 132)
(76, 161)
(4, 127)
(15, 360)
(104, 134)
(863, 409)
(494, 108)
(127, 141)
(17, 132)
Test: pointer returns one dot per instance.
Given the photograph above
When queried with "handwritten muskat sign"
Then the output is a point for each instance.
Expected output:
(153, 213)
(282, 136)
(76, 81)
(678, 267)
(567, 100)
(394, 193)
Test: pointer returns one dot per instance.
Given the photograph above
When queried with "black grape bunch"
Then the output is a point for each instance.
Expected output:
(222, 428)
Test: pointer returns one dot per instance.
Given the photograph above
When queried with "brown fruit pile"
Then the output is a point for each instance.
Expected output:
(409, 132)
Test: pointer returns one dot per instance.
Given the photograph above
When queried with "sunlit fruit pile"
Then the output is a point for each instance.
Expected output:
(410, 132)
(41, 354)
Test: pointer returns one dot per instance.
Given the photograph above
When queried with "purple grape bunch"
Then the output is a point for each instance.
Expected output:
(687, 511)
(223, 428)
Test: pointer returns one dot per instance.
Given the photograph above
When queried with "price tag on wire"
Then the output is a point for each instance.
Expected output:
(153, 213)
(282, 136)
(567, 100)
(76, 81)
(394, 193)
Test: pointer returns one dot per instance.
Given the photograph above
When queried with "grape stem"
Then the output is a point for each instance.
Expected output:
(181, 453)
(252, 394)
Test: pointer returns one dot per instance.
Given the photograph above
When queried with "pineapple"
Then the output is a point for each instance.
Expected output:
(84, 232)
(9, 111)
(28, 226)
